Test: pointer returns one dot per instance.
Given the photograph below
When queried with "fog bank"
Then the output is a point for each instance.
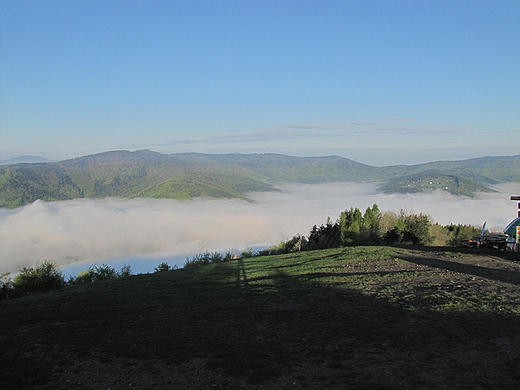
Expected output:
(145, 232)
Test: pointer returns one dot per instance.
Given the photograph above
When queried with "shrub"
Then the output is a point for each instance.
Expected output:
(125, 271)
(103, 272)
(249, 252)
(6, 285)
(295, 244)
(40, 278)
(204, 259)
(231, 254)
(163, 267)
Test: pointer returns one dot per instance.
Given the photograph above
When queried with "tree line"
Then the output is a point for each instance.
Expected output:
(373, 227)
(46, 276)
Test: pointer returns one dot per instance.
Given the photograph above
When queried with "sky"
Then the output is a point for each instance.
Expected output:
(380, 82)
(146, 232)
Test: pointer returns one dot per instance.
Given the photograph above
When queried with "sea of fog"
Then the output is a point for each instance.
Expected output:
(146, 232)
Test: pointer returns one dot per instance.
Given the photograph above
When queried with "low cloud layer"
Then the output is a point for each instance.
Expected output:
(145, 232)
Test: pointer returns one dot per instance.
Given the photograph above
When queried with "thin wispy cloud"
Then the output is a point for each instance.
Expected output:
(330, 125)
(347, 130)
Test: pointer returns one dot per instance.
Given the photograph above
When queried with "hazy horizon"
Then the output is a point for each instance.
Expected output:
(146, 232)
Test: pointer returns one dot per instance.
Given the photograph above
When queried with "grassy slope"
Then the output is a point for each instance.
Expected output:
(365, 317)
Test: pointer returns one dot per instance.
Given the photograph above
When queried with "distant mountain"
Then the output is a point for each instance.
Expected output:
(24, 159)
(120, 174)
(277, 168)
(149, 174)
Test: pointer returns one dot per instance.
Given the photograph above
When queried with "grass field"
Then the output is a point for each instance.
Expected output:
(351, 318)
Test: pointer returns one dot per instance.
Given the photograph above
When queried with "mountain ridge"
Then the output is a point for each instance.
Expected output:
(146, 173)
(24, 159)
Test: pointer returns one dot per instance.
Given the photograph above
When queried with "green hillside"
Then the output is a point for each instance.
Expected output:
(484, 170)
(121, 174)
(356, 318)
(145, 173)
(431, 180)
(277, 168)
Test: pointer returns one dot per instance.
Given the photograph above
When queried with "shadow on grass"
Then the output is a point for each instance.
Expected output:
(501, 275)
(261, 330)
(241, 272)
(508, 276)
(483, 252)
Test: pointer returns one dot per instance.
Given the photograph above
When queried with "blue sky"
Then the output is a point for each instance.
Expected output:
(381, 82)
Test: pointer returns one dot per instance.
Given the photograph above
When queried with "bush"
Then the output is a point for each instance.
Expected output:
(296, 244)
(103, 272)
(204, 259)
(40, 278)
(163, 267)
(249, 252)
(231, 254)
(6, 285)
(126, 271)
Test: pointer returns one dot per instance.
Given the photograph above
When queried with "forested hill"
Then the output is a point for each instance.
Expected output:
(484, 170)
(149, 174)
(143, 174)
(278, 168)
